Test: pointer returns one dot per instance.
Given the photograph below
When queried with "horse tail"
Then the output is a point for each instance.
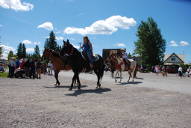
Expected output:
(102, 67)
(134, 69)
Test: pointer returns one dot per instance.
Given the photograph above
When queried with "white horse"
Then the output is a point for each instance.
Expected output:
(129, 66)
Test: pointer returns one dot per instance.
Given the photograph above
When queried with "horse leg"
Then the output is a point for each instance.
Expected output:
(120, 76)
(56, 77)
(78, 80)
(112, 73)
(116, 76)
(98, 81)
(134, 73)
(40, 75)
(73, 80)
(129, 76)
(133, 76)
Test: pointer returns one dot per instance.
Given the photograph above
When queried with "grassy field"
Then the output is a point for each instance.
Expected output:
(3, 74)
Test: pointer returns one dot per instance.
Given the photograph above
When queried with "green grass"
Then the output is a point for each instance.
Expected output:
(3, 74)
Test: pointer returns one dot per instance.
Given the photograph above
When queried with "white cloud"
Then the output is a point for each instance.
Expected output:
(46, 25)
(36, 43)
(76, 46)
(59, 38)
(6, 50)
(184, 43)
(181, 43)
(107, 26)
(26, 42)
(120, 45)
(173, 43)
(29, 50)
(16, 5)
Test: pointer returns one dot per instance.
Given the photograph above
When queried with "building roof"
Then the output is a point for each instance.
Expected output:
(179, 56)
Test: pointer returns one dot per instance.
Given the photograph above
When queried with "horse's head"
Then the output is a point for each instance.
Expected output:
(67, 48)
(46, 53)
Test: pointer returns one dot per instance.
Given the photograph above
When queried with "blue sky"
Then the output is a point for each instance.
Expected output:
(108, 23)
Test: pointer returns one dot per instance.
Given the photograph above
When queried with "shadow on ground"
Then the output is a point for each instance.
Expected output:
(82, 86)
(97, 91)
(128, 83)
(139, 78)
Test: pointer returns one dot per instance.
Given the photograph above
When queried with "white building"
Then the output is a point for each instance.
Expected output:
(173, 59)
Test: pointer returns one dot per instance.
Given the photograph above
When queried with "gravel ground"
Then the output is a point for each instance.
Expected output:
(147, 103)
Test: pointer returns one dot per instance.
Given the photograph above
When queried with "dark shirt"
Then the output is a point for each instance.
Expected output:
(86, 47)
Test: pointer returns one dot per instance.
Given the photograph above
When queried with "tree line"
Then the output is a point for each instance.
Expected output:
(22, 53)
(50, 43)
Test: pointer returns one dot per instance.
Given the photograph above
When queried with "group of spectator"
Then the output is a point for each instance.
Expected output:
(186, 73)
(29, 66)
(162, 69)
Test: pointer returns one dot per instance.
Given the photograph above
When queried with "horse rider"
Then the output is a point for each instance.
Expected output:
(125, 56)
(88, 50)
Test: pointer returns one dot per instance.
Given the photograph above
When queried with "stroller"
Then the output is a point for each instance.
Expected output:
(22, 71)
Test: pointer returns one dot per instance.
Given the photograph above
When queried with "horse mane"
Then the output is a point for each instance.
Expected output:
(75, 49)
(54, 53)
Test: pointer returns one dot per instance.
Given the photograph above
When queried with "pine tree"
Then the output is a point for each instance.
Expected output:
(19, 51)
(58, 48)
(10, 54)
(51, 43)
(23, 51)
(37, 51)
(129, 55)
(1, 51)
(46, 43)
(150, 45)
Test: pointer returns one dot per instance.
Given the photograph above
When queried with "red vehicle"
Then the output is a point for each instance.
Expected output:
(172, 69)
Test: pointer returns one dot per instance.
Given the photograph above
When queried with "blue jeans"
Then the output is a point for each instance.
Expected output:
(90, 56)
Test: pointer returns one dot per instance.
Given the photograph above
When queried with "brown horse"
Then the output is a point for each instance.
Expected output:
(57, 62)
(38, 69)
(111, 62)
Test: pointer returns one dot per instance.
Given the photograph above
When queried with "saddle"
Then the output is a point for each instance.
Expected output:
(127, 63)
(87, 66)
(85, 56)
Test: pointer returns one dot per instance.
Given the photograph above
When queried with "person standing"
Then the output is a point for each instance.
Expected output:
(17, 63)
(180, 71)
(12, 65)
(157, 69)
(164, 71)
(188, 71)
(50, 68)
